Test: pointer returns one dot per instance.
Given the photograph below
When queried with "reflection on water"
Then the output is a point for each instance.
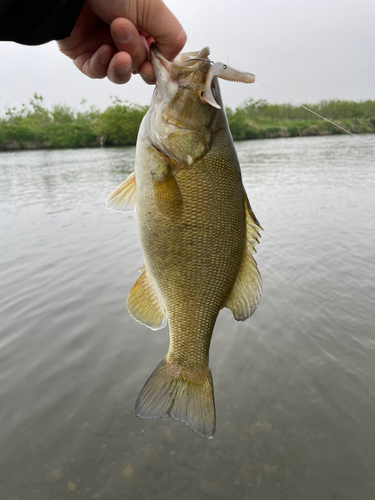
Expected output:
(294, 385)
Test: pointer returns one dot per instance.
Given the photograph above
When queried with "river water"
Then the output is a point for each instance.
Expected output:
(294, 385)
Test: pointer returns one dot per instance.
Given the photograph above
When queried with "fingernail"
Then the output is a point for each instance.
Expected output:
(124, 68)
(105, 57)
(123, 34)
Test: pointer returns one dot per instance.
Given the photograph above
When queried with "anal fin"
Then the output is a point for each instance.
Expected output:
(143, 304)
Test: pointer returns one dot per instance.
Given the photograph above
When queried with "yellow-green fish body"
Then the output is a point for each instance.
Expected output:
(197, 233)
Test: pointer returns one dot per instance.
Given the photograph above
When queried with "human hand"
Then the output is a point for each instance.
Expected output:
(111, 38)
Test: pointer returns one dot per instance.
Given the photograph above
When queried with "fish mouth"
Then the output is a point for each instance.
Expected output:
(183, 65)
(161, 67)
(160, 64)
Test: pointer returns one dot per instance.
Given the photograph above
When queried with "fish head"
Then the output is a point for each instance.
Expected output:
(185, 103)
(179, 120)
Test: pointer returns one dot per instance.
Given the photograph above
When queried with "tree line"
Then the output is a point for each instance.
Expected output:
(35, 126)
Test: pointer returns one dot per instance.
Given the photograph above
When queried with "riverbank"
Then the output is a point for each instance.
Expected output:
(263, 120)
(34, 126)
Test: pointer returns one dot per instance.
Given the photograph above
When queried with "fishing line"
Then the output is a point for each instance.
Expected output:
(320, 116)
(199, 59)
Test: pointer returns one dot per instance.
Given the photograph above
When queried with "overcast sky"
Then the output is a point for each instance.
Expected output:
(307, 49)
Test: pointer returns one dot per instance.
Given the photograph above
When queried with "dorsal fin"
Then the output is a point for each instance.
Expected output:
(245, 295)
(122, 199)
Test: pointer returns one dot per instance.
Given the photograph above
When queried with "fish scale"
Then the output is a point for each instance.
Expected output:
(205, 259)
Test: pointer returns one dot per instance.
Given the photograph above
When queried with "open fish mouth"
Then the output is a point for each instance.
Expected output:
(180, 71)
(160, 64)
(185, 62)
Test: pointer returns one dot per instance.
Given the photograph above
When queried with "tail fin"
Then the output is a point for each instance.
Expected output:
(169, 394)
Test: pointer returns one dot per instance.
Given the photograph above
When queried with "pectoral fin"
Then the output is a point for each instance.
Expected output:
(166, 191)
(143, 303)
(247, 289)
(122, 199)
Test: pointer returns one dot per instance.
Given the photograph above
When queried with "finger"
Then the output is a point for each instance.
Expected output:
(120, 68)
(147, 73)
(127, 39)
(159, 22)
(95, 64)
(100, 61)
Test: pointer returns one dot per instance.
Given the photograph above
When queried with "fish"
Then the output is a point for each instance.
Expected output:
(197, 232)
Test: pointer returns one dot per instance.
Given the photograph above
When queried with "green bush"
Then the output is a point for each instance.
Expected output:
(36, 126)
(119, 124)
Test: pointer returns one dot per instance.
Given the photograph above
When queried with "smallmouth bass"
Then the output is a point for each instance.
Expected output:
(197, 231)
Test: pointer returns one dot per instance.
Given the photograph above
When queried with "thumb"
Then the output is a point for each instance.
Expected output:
(159, 23)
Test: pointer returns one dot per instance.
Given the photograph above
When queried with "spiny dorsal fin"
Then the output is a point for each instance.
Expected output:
(247, 289)
(143, 303)
(122, 199)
